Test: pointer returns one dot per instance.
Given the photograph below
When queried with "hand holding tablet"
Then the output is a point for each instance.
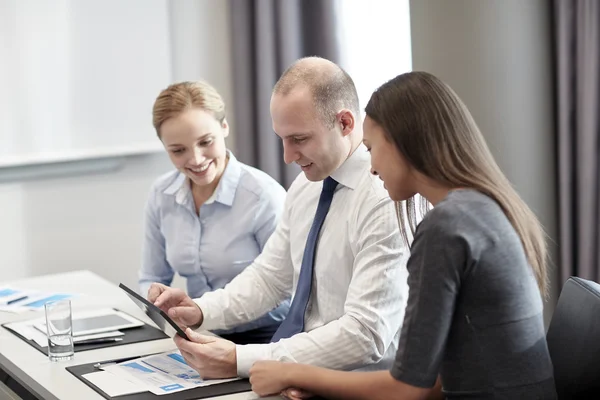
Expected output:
(177, 304)
(158, 316)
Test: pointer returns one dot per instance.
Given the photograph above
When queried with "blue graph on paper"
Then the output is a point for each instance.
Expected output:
(40, 303)
(173, 364)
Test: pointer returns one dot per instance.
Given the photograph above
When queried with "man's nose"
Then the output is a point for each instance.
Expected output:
(289, 154)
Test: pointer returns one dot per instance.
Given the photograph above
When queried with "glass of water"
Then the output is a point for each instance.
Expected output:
(59, 327)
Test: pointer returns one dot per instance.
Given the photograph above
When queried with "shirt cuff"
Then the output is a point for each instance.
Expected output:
(248, 354)
(211, 320)
(143, 289)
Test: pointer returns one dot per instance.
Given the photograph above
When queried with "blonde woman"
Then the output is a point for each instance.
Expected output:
(212, 216)
(477, 270)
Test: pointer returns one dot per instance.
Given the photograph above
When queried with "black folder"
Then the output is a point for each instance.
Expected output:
(220, 389)
(143, 333)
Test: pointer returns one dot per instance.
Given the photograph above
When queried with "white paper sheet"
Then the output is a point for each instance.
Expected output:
(113, 385)
(26, 299)
(12, 299)
(10, 295)
(26, 329)
(162, 373)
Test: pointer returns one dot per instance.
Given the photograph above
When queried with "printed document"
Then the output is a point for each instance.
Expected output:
(20, 300)
(161, 373)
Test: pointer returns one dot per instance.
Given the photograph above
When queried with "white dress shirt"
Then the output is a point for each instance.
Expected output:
(359, 289)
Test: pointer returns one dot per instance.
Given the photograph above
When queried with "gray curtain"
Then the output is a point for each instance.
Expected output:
(267, 36)
(577, 39)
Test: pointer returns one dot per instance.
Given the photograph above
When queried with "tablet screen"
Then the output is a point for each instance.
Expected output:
(90, 322)
(159, 317)
(100, 322)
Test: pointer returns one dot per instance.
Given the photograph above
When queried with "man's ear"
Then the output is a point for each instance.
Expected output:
(346, 120)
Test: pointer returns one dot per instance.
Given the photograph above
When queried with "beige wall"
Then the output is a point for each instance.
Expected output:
(496, 54)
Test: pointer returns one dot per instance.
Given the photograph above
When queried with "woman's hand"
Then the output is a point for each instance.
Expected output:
(270, 377)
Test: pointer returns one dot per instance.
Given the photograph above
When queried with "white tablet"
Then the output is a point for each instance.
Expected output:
(98, 321)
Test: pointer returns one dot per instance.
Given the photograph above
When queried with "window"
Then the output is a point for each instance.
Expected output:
(375, 43)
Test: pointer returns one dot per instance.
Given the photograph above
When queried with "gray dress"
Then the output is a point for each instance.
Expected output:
(474, 313)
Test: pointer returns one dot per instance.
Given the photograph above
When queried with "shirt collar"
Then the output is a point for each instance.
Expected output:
(225, 191)
(229, 182)
(351, 170)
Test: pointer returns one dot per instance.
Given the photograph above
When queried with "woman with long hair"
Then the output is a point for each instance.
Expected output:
(477, 270)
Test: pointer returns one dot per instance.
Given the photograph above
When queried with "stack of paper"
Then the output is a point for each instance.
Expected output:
(113, 385)
(20, 300)
(9, 296)
(31, 329)
(160, 374)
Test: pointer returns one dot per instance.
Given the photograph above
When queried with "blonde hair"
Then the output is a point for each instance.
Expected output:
(435, 132)
(183, 96)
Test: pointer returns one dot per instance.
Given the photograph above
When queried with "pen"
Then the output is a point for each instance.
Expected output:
(101, 365)
(99, 340)
(15, 300)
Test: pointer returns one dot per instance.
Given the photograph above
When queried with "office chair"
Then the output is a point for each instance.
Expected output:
(574, 340)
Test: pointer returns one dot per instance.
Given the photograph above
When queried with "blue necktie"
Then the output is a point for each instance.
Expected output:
(294, 322)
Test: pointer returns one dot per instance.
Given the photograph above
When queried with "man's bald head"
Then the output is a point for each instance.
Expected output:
(331, 87)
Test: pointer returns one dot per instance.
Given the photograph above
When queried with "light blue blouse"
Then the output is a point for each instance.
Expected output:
(209, 250)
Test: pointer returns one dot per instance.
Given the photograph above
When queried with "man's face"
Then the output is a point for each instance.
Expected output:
(307, 141)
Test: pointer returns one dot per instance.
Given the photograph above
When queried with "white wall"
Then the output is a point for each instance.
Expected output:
(496, 54)
(56, 53)
(94, 221)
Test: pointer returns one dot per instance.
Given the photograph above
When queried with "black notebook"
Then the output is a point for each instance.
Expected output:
(143, 333)
(220, 389)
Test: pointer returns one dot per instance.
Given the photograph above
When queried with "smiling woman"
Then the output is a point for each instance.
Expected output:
(195, 142)
(211, 217)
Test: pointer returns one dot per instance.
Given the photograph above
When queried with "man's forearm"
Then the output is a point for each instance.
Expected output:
(343, 344)
(245, 299)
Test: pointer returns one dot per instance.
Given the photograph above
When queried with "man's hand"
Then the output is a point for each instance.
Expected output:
(270, 377)
(178, 305)
(211, 356)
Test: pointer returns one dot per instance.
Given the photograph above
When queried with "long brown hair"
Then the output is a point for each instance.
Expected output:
(435, 132)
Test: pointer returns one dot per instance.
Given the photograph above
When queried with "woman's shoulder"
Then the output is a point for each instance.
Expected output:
(167, 180)
(462, 203)
(464, 210)
(259, 183)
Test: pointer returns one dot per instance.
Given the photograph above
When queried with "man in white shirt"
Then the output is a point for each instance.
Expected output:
(351, 297)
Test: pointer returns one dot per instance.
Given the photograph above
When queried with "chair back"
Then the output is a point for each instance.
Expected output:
(574, 340)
